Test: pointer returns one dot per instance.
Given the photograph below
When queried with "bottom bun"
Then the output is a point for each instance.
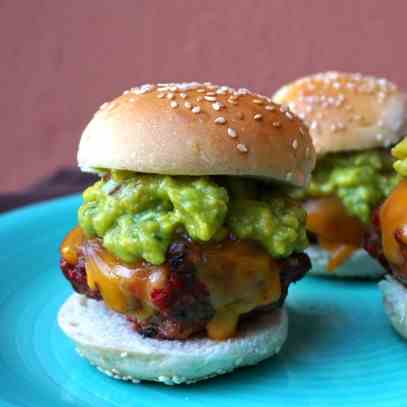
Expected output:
(108, 341)
(359, 265)
(395, 304)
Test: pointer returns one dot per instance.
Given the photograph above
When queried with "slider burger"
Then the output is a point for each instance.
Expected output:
(353, 121)
(387, 242)
(187, 244)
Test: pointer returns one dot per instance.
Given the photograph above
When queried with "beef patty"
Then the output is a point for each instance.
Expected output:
(183, 306)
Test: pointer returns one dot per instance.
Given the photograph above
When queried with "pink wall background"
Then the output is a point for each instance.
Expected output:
(61, 59)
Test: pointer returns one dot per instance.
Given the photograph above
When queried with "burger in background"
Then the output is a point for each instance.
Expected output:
(353, 121)
(387, 242)
(187, 244)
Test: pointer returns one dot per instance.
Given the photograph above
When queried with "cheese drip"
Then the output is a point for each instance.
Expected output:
(337, 231)
(393, 221)
(240, 276)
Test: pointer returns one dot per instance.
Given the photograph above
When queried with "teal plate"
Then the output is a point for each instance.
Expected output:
(341, 350)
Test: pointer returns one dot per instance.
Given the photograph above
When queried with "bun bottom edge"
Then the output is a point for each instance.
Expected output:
(107, 340)
(395, 304)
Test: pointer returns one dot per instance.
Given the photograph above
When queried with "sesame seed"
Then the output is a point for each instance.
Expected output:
(173, 88)
(379, 137)
(381, 95)
(221, 92)
(289, 115)
(220, 120)
(104, 106)
(270, 108)
(314, 125)
(170, 96)
(201, 90)
(302, 132)
(295, 144)
(161, 95)
(276, 124)
(210, 98)
(174, 104)
(183, 95)
(210, 93)
(111, 106)
(217, 105)
(188, 105)
(126, 92)
(199, 99)
(196, 109)
(258, 102)
(232, 132)
(258, 116)
(131, 100)
(143, 89)
(242, 148)
(292, 106)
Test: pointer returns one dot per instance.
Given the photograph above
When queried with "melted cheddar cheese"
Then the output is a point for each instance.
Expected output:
(393, 220)
(124, 288)
(337, 231)
(239, 276)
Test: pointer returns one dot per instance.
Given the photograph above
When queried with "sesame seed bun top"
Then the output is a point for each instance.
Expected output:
(347, 111)
(198, 129)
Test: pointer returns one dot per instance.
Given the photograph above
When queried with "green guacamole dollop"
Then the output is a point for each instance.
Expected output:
(136, 215)
(361, 180)
(400, 152)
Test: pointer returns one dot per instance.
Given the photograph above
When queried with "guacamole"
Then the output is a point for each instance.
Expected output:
(136, 215)
(361, 180)
(400, 152)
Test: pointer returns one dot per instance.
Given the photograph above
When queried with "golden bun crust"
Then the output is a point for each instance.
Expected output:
(347, 111)
(198, 129)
